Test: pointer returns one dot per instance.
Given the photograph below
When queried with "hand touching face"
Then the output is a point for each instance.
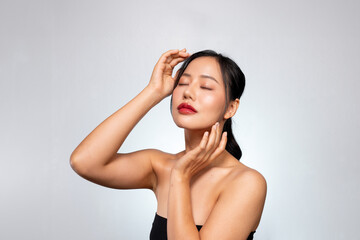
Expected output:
(210, 147)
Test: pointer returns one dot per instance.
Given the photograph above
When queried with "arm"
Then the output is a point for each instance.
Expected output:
(238, 209)
(181, 223)
(96, 157)
(236, 213)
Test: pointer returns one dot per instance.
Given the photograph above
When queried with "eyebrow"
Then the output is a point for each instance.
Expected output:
(203, 76)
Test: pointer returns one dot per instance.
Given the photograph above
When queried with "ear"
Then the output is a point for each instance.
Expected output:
(232, 108)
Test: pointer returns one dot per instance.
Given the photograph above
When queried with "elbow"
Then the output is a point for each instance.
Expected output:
(73, 162)
(77, 165)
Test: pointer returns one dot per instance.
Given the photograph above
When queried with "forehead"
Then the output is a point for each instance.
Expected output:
(204, 66)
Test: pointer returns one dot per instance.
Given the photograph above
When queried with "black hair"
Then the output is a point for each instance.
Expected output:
(234, 81)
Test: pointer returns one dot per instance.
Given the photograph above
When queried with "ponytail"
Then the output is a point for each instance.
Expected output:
(231, 145)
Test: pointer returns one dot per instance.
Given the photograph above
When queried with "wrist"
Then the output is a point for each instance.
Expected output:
(156, 91)
(154, 95)
(178, 176)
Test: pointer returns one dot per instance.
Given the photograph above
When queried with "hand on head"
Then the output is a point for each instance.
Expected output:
(161, 79)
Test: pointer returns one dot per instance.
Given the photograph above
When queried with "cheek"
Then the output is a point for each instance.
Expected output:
(214, 102)
(175, 92)
(175, 97)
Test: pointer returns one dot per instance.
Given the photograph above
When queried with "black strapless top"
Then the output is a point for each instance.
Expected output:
(159, 229)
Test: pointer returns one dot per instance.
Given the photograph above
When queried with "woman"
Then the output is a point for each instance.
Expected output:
(203, 192)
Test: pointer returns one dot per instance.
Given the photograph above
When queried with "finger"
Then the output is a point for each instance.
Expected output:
(165, 55)
(204, 140)
(221, 146)
(218, 135)
(184, 54)
(212, 137)
(170, 52)
(176, 61)
(184, 50)
(201, 147)
(180, 55)
(215, 144)
(174, 54)
(194, 157)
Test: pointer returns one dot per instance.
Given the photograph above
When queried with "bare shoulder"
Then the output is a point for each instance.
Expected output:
(161, 159)
(248, 175)
(241, 200)
(158, 156)
(243, 178)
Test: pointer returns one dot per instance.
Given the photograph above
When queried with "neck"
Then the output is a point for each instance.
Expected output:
(193, 139)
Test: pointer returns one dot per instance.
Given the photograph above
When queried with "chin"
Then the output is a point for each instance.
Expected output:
(193, 124)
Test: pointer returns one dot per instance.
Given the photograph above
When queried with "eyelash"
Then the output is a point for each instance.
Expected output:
(182, 84)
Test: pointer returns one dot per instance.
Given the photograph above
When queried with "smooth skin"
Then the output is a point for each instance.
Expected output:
(202, 185)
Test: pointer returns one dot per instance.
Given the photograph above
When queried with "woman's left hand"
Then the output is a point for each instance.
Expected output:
(210, 147)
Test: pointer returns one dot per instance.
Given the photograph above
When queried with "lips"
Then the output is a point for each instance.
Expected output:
(186, 106)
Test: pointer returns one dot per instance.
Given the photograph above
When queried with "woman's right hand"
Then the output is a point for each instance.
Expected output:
(161, 79)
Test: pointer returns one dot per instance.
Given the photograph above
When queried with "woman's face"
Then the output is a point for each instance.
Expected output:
(202, 87)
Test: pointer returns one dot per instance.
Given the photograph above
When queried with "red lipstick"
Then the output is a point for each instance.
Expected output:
(186, 108)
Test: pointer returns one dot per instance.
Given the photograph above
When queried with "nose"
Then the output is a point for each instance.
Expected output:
(190, 92)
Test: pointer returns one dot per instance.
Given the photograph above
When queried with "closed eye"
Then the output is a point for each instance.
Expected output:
(185, 84)
(206, 88)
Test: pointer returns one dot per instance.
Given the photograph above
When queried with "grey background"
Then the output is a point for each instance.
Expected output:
(65, 66)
